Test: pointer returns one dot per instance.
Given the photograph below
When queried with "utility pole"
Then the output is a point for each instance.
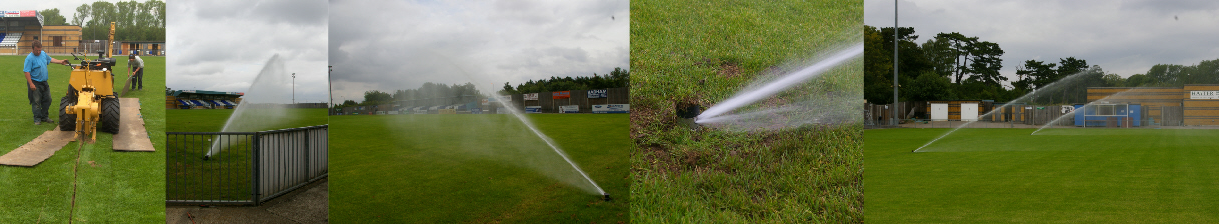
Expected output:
(893, 119)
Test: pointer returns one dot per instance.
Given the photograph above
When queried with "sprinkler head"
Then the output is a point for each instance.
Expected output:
(206, 157)
(687, 113)
(605, 197)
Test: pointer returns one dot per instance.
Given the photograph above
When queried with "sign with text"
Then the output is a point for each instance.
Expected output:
(566, 109)
(611, 108)
(533, 109)
(597, 93)
(27, 13)
(1204, 95)
(561, 95)
(531, 96)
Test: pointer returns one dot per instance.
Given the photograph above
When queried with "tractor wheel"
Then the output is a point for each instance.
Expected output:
(71, 92)
(67, 122)
(110, 116)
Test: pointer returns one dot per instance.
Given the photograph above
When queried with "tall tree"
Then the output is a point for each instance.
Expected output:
(941, 54)
(1114, 80)
(374, 97)
(929, 86)
(1139, 80)
(1166, 74)
(911, 63)
(1036, 74)
(134, 21)
(81, 15)
(1069, 66)
(51, 17)
(960, 51)
(878, 68)
(986, 63)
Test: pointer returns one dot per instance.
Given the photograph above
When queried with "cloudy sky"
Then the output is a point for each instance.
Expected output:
(392, 45)
(222, 45)
(1126, 37)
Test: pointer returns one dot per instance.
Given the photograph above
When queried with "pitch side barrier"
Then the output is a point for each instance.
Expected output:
(251, 168)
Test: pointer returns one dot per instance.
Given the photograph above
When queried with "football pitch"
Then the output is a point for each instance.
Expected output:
(477, 168)
(1067, 175)
(81, 183)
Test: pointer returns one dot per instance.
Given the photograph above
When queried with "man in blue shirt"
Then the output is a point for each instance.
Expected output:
(36, 76)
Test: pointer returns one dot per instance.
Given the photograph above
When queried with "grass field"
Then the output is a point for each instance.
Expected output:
(110, 186)
(1059, 175)
(703, 53)
(475, 169)
(213, 120)
(190, 177)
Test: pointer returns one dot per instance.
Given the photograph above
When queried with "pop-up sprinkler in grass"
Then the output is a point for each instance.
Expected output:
(687, 114)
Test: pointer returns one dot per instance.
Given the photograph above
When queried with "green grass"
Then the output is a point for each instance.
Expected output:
(1059, 175)
(224, 177)
(113, 187)
(213, 120)
(705, 52)
(476, 169)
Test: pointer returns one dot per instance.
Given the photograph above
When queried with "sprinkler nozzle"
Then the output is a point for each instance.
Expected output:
(688, 114)
(605, 197)
(206, 157)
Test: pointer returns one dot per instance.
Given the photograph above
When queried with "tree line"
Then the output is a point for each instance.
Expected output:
(446, 94)
(953, 66)
(463, 93)
(615, 79)
(134, 21)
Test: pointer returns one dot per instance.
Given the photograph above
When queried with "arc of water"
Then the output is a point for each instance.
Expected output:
(1051, 86)
(525, 120)
(781, 84)
(267, 89)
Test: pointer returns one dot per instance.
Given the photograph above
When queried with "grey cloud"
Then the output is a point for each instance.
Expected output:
(485, 43)
(222, 45)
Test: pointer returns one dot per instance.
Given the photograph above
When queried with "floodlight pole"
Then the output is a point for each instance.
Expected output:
(293, 88)
(330, 89)
(893, 118)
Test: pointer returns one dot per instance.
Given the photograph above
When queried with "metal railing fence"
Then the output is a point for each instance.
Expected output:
(242, 168)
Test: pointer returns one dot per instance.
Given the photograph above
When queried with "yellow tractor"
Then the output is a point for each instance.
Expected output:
(91, 102)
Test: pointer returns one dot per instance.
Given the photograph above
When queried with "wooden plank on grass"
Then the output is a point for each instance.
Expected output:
(37, 150)
(132, 136)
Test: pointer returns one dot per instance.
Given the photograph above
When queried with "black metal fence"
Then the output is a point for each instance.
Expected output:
(242, 168)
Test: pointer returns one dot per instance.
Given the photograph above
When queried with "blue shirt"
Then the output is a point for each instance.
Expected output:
(37, 66)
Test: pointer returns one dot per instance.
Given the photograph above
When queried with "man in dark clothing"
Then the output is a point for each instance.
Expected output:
(137, 71)
(36, 77)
